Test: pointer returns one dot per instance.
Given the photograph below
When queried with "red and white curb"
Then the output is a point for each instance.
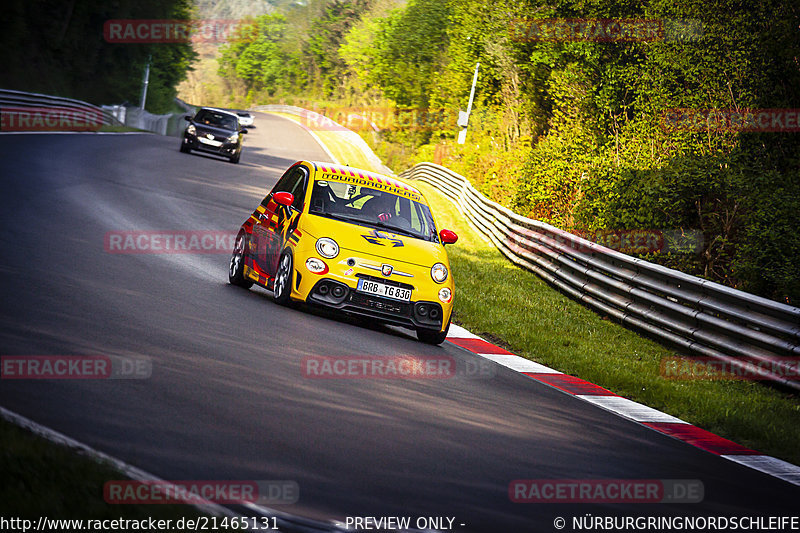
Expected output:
(646, 416)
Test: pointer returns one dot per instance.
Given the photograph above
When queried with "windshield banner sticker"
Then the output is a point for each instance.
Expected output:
(375, 182)
(376, 236)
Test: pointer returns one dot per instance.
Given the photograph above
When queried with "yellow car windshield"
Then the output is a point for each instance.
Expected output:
(373, 207)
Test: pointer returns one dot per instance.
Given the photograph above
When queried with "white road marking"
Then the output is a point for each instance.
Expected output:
(457, 332)
(630, 409)
(769, 465)
(520, 364)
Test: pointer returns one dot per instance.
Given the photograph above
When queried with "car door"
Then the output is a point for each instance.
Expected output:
(275, 222)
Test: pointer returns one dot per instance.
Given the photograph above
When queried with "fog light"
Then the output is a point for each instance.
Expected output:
(317, 266)
(422, 310)
(337, 291)
(445, 295)
(323, 289)
(434, 313)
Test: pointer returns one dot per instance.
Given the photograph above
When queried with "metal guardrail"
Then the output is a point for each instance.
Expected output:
(115, 115)
(748, 333)
(19, 99)
(171, 124)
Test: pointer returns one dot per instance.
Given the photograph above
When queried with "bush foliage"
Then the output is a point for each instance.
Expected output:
(574, 132)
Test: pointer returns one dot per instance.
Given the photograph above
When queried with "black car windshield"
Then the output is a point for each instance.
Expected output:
(216, 119)
(374, 208)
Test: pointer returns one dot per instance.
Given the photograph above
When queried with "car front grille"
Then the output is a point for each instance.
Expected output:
(382, 305)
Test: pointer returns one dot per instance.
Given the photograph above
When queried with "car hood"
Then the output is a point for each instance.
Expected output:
(378, 242)
(218, 132)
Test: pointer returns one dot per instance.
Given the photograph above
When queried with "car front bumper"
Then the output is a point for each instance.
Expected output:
(336, 288)
(225, 148)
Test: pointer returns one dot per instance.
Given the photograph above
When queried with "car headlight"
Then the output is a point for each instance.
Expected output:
(439, 273)
(191, 130)
(327, 247)
(317, 266)
(233, 138)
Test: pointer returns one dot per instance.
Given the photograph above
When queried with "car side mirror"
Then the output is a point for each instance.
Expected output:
(188, 118)
(283, 198)
(243, 131)
(447, 236)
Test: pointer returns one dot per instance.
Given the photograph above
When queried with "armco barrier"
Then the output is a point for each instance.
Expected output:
(117, 115)
(746, 332)
(171, 124)
(19, 99)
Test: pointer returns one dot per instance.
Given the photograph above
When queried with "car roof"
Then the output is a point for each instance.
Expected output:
(375, 177)
(219, 111)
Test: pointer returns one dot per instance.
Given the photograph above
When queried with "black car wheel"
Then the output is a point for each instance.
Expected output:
(235, 158)
(185, 147)
(236, 268)
(283, 279)
(431, 336)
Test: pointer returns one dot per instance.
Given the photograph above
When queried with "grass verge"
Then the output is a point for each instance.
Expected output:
(500, 301)
(41, 478)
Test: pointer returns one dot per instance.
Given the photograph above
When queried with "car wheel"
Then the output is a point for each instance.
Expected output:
(185, 148)
(283, 279)
(235, 158)
(432, 336)
(236, 268)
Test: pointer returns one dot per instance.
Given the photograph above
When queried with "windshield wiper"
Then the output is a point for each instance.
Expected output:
(362, 222)
(336, 217)
(395, 229)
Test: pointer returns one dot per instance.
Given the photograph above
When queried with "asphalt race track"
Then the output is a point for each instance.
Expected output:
(227, 398)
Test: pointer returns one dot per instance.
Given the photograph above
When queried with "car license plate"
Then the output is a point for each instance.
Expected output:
(209, 141)
(381, 289)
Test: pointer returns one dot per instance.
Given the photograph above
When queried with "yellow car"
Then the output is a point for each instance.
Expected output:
(351, 240)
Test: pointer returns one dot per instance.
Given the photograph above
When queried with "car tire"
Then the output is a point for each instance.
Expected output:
(185, 148)
(282, 287)
(236, 266)
(432, 336)
(235, 158)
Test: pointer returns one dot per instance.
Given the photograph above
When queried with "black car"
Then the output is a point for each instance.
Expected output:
(214, 131)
